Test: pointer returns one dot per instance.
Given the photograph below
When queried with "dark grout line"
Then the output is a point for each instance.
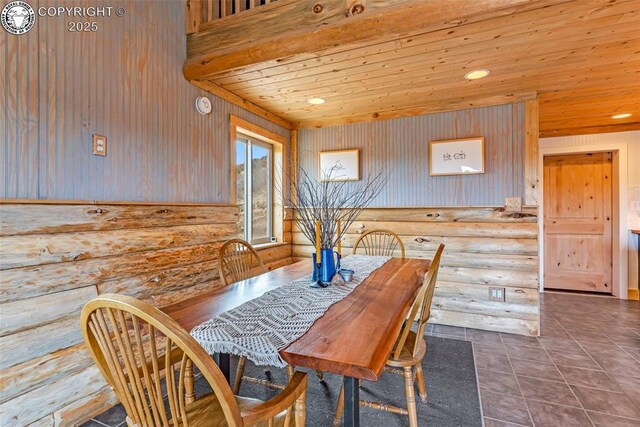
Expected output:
(563, 377)
(506, 422)
(475, 369)
(518, 383)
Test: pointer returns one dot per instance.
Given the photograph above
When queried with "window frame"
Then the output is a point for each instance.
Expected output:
(240, 128)
(249, 143)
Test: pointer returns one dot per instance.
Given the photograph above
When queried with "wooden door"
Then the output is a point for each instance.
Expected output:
(577, 222)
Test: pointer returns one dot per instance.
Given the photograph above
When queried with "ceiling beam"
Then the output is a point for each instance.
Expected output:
(289, 28)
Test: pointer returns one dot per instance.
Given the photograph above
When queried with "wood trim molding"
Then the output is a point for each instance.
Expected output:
(634, 294)
(105, 202)
(233, 193)
(532, 132)
(279, 159)
(293, 164)
(241, 102)
(257, 131)
(620, 230)
(623, 127)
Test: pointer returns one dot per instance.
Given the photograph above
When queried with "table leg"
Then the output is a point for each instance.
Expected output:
(224, 363)
(351, 402)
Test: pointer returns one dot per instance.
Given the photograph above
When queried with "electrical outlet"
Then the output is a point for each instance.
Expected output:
(496, 294)
(635, 205)
(99, 145)
(513, 204)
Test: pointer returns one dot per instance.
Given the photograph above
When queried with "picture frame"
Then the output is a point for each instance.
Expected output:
(456, 156)
(345, 162)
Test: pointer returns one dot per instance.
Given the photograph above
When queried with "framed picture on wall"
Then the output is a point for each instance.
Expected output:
(456, 156)
(341, 165)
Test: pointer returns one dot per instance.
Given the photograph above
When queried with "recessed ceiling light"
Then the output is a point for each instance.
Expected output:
(621, 116)
(316, 101)
(477, 74)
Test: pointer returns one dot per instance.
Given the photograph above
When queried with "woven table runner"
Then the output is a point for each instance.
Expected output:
(260, 328)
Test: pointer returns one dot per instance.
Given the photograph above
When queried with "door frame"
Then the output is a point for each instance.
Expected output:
(619, 209)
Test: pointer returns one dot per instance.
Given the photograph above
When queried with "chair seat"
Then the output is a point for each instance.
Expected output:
(406, 355)
(206, 412)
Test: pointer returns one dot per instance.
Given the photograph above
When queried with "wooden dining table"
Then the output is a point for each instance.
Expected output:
(353, 338)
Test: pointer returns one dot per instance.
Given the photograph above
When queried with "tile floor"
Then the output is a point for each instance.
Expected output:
(584, 369)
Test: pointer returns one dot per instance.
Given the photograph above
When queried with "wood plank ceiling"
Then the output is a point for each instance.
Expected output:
(582, 58)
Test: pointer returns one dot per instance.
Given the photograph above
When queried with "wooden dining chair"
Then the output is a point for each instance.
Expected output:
(379, 242)
(238, 260)
(144, 354)
(408, 351)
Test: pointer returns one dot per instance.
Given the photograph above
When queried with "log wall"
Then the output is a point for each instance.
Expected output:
(485, 246)
(54, 257)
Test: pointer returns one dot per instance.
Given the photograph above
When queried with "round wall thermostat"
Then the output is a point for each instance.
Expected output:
(203, 105)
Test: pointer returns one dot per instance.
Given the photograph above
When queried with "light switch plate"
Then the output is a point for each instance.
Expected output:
(496, 294)
(513, 204)
(99, 145)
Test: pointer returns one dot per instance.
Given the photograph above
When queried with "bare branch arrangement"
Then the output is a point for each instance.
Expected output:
(331, 201)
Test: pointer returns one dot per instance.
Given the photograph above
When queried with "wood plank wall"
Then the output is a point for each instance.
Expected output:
(55, 257)
(485, 246)
(125, 82)
(401, 147)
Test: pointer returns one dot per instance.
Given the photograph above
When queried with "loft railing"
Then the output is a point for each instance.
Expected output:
(200, 12)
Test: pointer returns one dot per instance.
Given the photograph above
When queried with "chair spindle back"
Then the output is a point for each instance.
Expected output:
(238, 261)
(421, 305)
(139, 349)
(379, 242)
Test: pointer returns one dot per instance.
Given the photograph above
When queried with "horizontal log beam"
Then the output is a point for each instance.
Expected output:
(29, 250)
(462, 214)
(475, 292)
(451, 229)
(105, 202)
(28, 282)
(294, 27)
(32, 406)
(487, 308)
(487, 322)
(46, 218)
(47, 369)
(25, 314)
(420, 247)
(41, 340)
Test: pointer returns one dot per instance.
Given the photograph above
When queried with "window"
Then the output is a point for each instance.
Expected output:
(256, 181)
(254, 188)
